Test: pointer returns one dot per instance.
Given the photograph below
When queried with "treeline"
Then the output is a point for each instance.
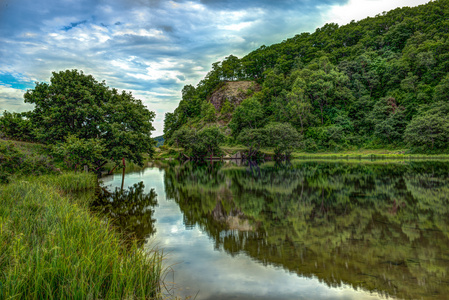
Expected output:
(379, 82)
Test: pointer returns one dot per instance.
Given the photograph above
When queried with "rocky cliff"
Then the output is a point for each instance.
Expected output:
(233, 91)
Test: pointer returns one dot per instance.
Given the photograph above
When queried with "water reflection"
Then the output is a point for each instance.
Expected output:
(377, 227)
(130, 209)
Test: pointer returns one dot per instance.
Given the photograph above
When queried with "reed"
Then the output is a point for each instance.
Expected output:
(53, 248)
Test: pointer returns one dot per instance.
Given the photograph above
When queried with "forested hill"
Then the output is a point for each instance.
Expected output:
(382, 81)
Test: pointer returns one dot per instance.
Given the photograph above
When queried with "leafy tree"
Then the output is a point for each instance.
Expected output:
(429, 129)
(208, 111)
(283, 137)
(248, 115)
(16, 126)
(231, 68)
(226, 109)
(199, 144)
(171, 124)
(209, 140)
(298, 107)
(76, 104)
(181, 137)
(388, 119)
(254, 139)
(79, 152)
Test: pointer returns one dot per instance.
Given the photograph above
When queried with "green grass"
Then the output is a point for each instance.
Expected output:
(368, 154)
(347, 154)
(51, 247)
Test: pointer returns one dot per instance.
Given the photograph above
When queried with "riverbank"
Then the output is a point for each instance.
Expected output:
(229, 152)
(53, 247)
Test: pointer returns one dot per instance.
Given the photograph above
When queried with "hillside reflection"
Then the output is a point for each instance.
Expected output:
(378, 227)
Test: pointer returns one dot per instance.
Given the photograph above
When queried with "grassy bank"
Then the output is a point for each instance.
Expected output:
(170, 152)
(52, 247)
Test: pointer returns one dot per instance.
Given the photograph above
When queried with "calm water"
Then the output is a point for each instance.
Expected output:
(309, 230)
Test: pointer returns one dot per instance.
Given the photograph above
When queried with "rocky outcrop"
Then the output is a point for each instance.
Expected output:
(234, 91)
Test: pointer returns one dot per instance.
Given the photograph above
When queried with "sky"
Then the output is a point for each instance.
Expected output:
(151, 48)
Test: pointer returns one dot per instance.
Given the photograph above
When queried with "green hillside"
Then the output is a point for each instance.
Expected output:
(381, 82)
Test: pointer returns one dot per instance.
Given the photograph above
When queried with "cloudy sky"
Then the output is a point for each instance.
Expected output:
(151, 47)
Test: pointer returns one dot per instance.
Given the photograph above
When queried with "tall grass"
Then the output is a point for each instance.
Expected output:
(67, 182)
(52, 248)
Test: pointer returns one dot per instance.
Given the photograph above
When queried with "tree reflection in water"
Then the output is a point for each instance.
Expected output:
(378, 227)
(131, 209)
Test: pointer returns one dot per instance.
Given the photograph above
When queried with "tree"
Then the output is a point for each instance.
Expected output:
(79, 152)
(254, 139)
(16, 126)
(430, 129)
(226, 110)
(199, 144)
(248, 115)
(283, 137)
(210, 139)
(208, 111)
(76, 104)
(298, 107)
(388, 119)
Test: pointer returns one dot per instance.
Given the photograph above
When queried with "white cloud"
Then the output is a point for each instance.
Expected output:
(360, 9)
(11, 99)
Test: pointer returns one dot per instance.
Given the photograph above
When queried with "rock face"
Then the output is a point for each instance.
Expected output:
(234, 91)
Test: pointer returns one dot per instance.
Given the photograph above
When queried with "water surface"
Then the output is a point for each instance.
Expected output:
(306, 230)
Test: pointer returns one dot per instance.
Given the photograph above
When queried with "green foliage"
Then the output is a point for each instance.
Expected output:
(283, 137)
(199, 144)
(77, 153)
(375, 73)
(248, 115)
(77, 104)
(16, 162)
(429, 130)
(226, 110)
(52, 247)
(388, 119)
(254, 139)
(208, 110)
(16, 126)
(10, 159)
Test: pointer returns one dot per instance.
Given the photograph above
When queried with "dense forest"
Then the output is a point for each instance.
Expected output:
(379, 82)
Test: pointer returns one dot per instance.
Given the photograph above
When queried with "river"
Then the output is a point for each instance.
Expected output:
(305, 230)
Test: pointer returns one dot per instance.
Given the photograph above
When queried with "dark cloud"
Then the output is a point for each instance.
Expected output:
(73, 25)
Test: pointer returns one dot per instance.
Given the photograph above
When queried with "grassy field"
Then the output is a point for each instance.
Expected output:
(52, 247)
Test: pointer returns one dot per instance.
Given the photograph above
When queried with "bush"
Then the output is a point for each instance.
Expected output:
(15, 162)
(16, 126)
(79, 152)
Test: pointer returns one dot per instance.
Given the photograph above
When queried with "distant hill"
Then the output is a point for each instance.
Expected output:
(378, 82)
(159, 140)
